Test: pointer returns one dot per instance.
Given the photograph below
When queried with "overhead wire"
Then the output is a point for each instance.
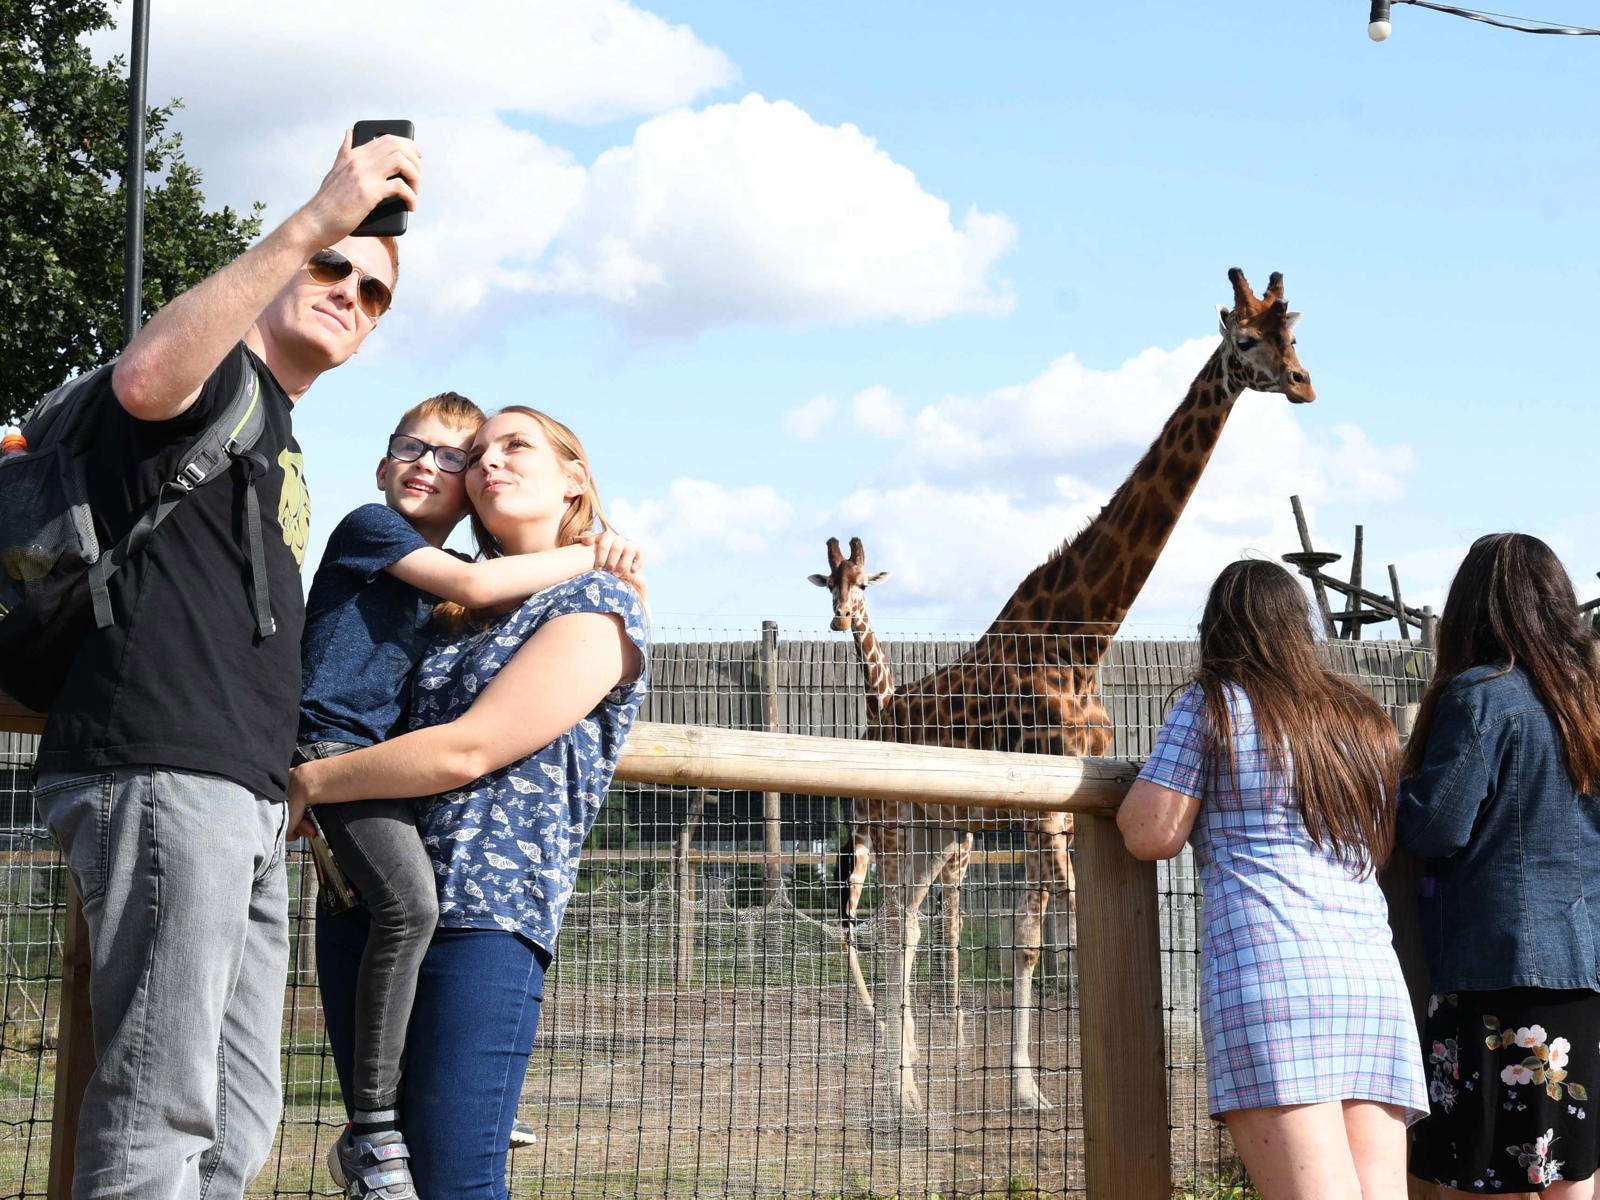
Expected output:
(1504, 21)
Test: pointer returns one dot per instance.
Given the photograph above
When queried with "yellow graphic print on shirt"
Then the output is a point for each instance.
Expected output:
(294, 505)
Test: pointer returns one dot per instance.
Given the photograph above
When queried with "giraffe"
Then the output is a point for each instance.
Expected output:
(872, 820)
(1027, 686)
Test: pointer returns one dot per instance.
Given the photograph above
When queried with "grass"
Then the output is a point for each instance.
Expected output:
(1016, 1188)
(1218, 1189)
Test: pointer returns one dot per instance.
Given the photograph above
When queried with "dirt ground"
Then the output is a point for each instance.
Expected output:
(744, 1092)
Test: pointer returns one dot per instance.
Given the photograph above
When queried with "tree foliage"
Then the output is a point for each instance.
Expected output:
(63, 153)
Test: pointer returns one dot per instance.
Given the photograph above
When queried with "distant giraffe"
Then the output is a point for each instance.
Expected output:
(1030, 683)
(876, 820)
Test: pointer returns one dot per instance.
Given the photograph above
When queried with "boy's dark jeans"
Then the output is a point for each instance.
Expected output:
(377, 845)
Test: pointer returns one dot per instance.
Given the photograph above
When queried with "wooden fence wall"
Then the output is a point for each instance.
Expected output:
(818, 690)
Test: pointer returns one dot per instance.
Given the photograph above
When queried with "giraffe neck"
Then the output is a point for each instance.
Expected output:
(1087, 587)
(875, 670)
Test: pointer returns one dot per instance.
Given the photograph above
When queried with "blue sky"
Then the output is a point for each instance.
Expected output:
(935, 275)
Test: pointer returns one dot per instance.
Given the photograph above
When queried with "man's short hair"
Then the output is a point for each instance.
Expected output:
(392, 245)
(452, 408)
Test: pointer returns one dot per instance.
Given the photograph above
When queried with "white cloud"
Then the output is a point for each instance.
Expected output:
(749, 211)
(304, 60)
(966, 547)
(1068, 413)
(985, 487)
(473, 228)
(699, 516)
(810, 420)
(878, 412)
(755, 212)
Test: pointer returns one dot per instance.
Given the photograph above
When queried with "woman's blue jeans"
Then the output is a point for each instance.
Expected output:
(472, 1027)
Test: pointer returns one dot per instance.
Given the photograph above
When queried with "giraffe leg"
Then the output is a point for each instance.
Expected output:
(1064, 901)
(849, 907)
(921, 864)
(902, 937)
(949, 931)
(1027, 928)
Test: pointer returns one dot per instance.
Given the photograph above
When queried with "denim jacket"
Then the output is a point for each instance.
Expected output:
(1511, 887)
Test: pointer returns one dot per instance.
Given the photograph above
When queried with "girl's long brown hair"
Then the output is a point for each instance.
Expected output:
(583, 514)
(1343, 750)
(1511, 604)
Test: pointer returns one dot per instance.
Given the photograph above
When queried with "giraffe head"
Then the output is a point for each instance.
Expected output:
(847, 581)
(1258, 341)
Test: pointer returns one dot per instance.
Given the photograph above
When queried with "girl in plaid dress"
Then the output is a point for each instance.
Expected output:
(1501, 798)
(1281, 777)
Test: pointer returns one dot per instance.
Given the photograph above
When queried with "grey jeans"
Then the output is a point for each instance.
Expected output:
(378, 847)
(182, 882)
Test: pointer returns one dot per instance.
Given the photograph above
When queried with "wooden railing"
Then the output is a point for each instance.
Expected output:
(16, 718)
(1127, 1143)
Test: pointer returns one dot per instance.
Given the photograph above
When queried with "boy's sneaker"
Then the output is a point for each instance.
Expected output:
(522, 1134)
(372, 1165)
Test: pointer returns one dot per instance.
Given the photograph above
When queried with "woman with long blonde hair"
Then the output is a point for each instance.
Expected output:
(517, 718)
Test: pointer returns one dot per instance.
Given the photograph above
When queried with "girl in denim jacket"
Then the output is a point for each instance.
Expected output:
(1498, 796)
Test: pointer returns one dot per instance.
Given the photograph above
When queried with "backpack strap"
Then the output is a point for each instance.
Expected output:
(231, 436)
(254, 465)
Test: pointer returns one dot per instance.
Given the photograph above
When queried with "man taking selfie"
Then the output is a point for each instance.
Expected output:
(164, 762)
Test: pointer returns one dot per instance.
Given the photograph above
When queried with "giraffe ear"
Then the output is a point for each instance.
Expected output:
(877, 577)
(1289, 320)
(1222, 319)
(819, 580)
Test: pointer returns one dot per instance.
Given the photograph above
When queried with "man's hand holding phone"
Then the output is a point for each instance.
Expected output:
(388, 216)
(384, 169)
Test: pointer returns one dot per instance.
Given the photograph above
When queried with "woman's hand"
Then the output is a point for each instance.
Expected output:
(298, 826)
(614, 553)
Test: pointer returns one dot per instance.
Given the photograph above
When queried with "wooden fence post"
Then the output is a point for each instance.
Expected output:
(1430, 628)
(1127, 1143)
(1317, 589)
(683, 888)
(772, 801)
(74, 1047)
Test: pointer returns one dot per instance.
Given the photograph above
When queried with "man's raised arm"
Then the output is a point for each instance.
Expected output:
(161, 372)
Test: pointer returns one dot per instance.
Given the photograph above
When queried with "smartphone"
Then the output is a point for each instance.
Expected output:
(388, 219)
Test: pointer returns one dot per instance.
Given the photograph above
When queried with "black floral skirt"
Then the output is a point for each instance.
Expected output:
(1509, 1079)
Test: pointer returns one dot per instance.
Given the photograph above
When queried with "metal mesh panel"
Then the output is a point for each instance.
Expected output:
(701, 1034)
(32, 892)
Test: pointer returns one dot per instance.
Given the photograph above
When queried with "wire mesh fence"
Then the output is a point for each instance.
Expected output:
(701, 1033)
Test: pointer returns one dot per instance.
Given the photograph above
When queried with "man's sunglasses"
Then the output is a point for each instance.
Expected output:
(452, 460)
(328, 267)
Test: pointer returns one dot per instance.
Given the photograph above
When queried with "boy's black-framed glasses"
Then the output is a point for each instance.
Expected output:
(452, 460)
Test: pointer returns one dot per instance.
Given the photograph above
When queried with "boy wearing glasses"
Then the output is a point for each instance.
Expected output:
(164, 764)
(367, 624)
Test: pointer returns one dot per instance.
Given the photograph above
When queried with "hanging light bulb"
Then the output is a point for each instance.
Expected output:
(1378, 26)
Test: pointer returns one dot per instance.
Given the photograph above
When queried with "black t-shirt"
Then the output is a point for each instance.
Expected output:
(182, 680)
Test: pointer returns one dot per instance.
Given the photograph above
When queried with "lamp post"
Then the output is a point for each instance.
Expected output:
(133, 178)
(75, 1036)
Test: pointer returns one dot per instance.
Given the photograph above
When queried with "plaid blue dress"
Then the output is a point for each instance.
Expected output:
(1301, 997)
